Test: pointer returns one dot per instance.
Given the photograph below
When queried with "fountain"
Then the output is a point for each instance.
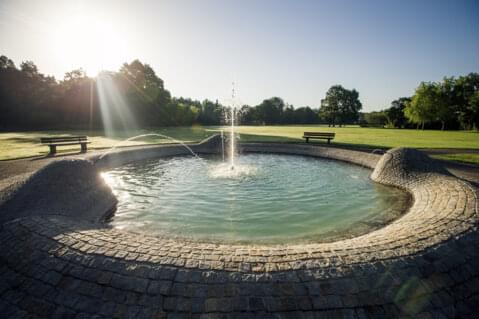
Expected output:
(295, 217)
(232, 130)
(246, 199)
(232, 139)
(222, 145)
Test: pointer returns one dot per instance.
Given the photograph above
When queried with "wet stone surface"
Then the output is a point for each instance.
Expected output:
(424, 265)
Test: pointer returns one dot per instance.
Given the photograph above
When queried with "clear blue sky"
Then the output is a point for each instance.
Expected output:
(292, 49)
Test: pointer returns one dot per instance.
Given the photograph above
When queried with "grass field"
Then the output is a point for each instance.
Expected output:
(25, 144)
(370, 137)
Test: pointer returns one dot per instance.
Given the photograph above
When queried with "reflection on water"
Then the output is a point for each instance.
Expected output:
(264, 199)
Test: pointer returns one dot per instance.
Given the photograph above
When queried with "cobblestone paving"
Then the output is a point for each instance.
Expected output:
(425, 264)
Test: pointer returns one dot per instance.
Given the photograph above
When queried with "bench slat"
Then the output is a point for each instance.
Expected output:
(62, 139)
(68, 143)
(319, 134)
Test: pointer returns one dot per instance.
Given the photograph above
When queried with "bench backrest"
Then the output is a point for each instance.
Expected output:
(319, 134)
(51, 140)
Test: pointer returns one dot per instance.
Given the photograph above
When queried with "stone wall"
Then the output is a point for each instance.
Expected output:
(72, 188)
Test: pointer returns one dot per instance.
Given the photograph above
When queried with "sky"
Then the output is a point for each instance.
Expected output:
(292, 49)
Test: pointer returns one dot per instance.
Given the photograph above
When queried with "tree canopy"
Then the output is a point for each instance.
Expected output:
(31, 100)
(395, 113)
(450, 101)
(340, 106)
(133, 97)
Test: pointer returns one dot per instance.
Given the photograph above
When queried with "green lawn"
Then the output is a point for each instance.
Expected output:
(370, 137)
(24, 144)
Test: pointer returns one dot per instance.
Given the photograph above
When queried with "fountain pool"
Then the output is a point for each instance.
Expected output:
(267, 199)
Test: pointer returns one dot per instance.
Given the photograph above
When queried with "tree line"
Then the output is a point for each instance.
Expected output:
(30, 100)
(340, 106)
(452, 103)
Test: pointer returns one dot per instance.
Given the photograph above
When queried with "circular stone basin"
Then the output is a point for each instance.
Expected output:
(266, 198)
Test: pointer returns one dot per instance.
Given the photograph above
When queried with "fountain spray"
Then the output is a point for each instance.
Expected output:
(223, 145)
(232, 134)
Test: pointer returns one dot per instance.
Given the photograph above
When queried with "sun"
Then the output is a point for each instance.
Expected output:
(88, 42)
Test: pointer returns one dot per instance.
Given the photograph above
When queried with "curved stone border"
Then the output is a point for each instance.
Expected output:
(424, 263)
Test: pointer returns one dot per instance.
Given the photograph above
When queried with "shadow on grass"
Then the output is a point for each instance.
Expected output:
(22, 140)
(247, 138)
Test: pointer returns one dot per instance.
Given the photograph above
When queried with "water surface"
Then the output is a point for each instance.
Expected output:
(266, 199)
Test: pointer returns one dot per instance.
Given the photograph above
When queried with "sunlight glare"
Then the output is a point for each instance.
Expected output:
(113, 105)
(88, 41)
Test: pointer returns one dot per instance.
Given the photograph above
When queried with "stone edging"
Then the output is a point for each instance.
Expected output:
(444, 207)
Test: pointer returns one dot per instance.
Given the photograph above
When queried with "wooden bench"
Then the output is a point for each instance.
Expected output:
(53, 142)
(319, 136)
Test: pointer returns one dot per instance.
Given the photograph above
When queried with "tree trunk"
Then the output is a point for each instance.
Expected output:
(422, 128)
(443, 125)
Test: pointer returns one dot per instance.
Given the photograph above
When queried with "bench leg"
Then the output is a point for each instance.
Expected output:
(329, 141)
(53, 149)
(307, 139)
(83, 147)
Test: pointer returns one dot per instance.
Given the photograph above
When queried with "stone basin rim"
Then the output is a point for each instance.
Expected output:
(421, 222)
(367, 160)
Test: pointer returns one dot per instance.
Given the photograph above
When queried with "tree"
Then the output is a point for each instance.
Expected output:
(340, 106)
(211, 113)
(395, 113)
(74, 75)
(467, 88)
(446, 101)
(29, 68)
(248, 115)
(421, 109)
(6, 63)
(145, 90)
(349, 109)
(77, 99)
(432, 102)
(270, 111)
(142, 76)
(289, 116)
(473, 106)
(378, 119)
(305, 115)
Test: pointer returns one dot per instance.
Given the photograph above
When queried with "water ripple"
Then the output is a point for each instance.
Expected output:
(265, 198)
